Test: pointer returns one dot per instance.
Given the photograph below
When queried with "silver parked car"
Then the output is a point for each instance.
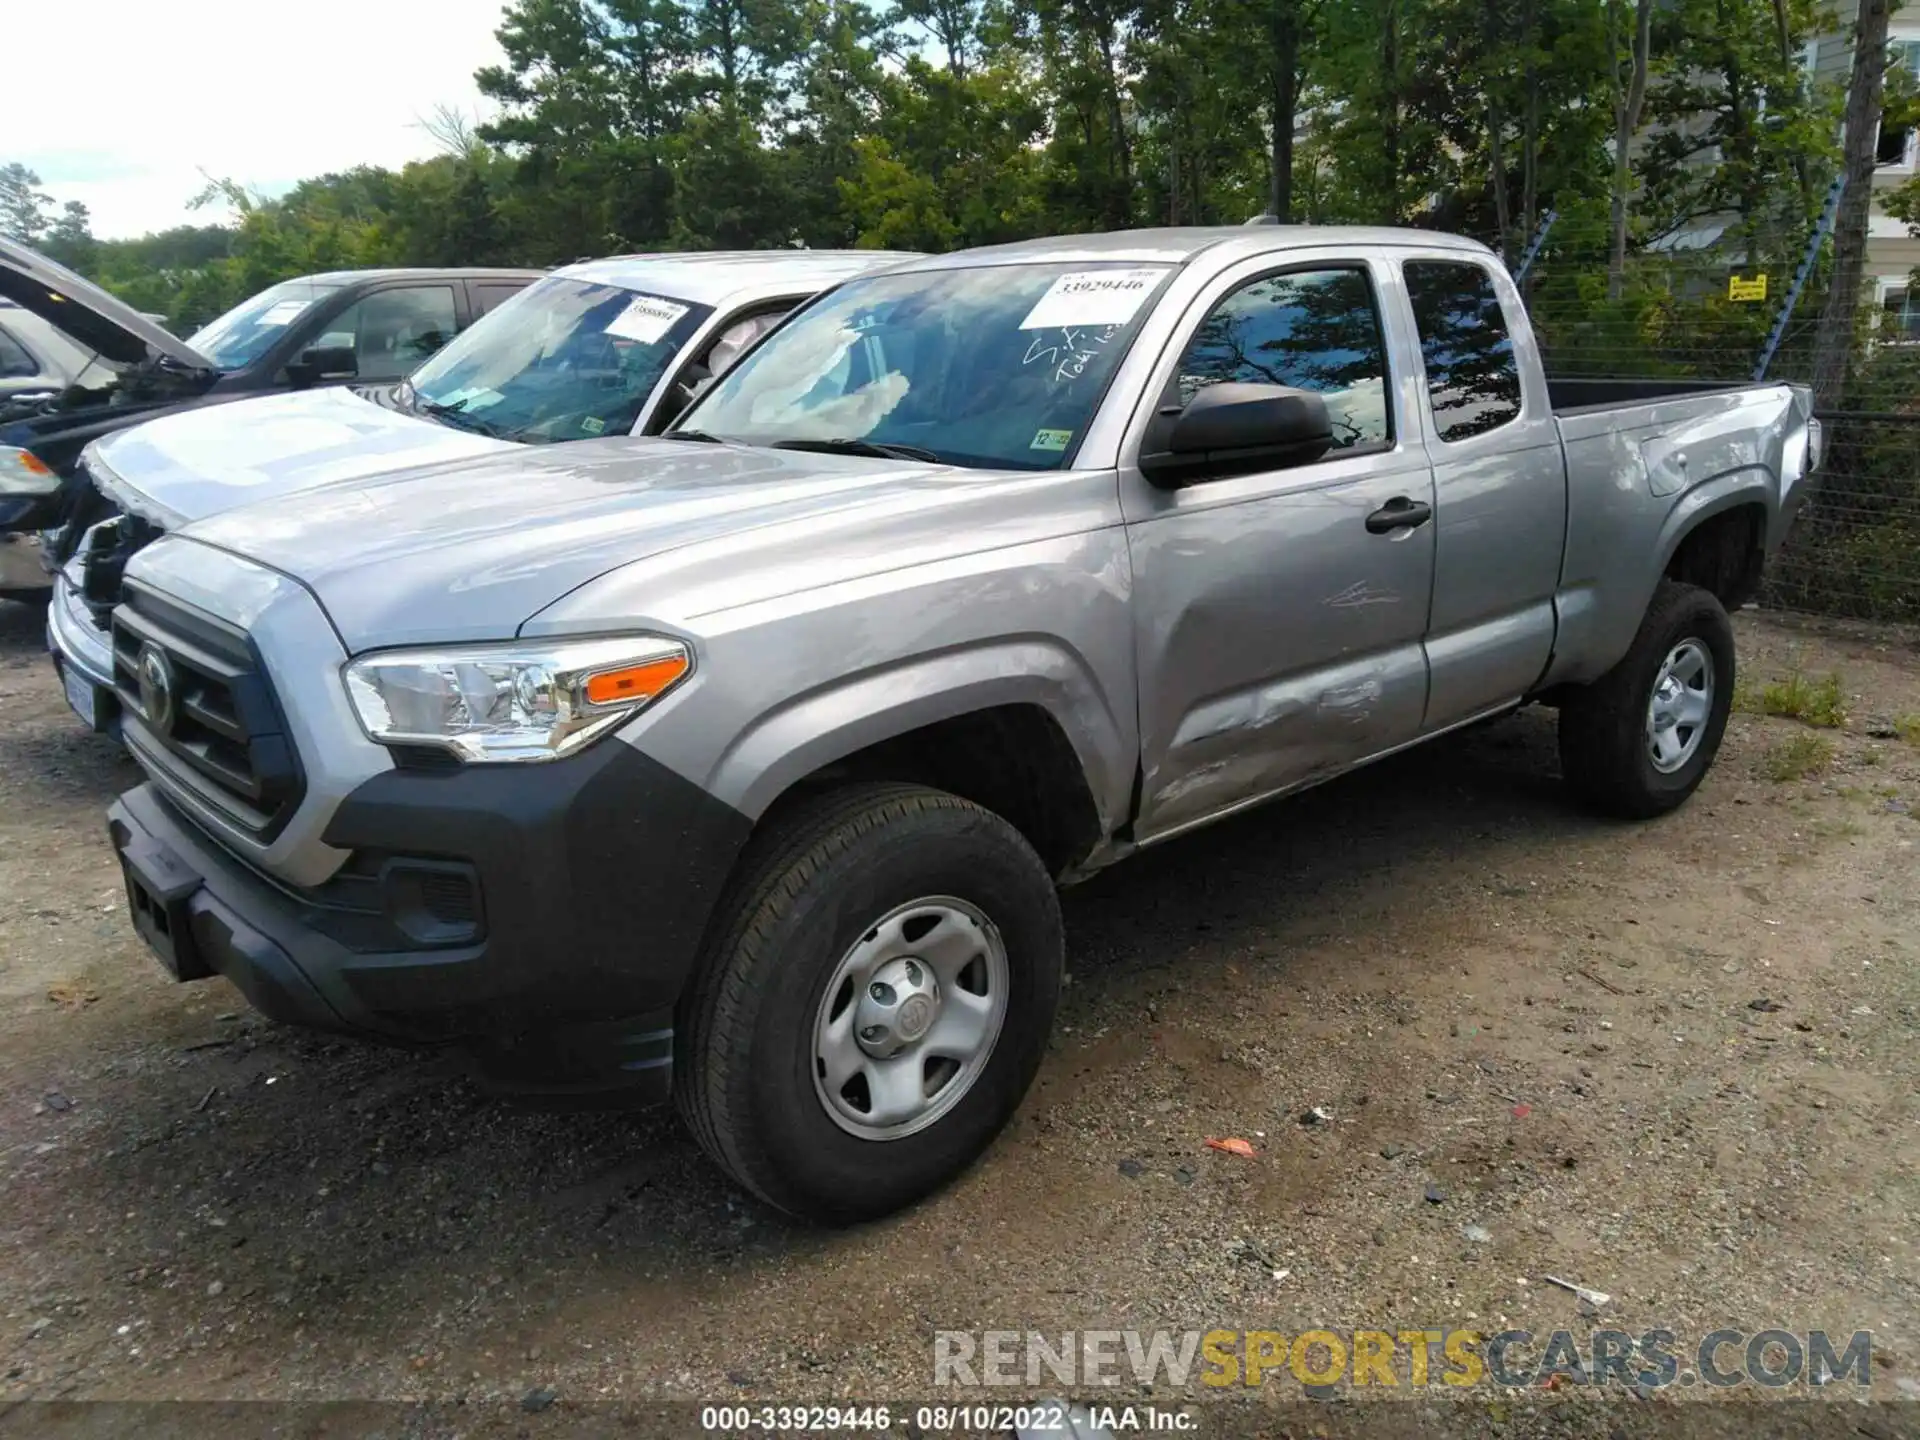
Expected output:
(606, 348)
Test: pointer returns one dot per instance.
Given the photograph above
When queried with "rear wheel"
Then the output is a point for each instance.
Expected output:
(1640, 739)
(874, 1001)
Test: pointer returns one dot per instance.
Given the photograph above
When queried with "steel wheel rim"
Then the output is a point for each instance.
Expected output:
(886, 1066)
(1680, 706)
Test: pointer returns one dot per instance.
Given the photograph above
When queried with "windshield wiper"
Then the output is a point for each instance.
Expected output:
(884, 450)
(456, 416)
(698, 436)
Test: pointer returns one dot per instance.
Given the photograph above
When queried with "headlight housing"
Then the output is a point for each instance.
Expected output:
(24, 473)
(529, 701)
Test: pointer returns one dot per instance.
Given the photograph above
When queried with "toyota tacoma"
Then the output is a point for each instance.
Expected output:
(742, 764)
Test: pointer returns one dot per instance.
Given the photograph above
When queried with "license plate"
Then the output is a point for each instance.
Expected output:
(80, 695)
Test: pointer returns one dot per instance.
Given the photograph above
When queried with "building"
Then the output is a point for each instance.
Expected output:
(1893, 252)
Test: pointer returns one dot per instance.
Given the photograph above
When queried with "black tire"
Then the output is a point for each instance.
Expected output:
(1604, 750)
(809, 886)
(39, 599)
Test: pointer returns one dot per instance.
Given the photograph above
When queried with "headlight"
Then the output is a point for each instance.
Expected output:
(24, 473)
(532, 701)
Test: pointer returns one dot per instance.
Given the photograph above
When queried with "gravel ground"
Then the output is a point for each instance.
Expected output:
(1676, 1063)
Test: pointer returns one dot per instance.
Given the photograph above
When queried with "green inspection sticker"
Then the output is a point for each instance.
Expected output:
(593, 424)
(1051, 440)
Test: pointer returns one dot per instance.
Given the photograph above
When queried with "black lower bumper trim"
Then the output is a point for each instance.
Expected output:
(597, 880)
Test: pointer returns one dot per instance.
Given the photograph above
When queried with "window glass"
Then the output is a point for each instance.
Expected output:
(391, 331)
(1473, 380)
(733, 341)
(1900, 318)
(490, 297)
(995, 366)
(565, 359)
(1312, 330)
(15, 362)
(1894, 144)
(250, 329)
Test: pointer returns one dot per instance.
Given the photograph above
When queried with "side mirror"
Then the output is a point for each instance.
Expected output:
(335, 362)
(1233, 429)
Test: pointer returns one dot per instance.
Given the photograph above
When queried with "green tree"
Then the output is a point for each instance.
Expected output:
(23, 208)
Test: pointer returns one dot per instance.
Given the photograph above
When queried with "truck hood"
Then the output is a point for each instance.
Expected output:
(86, 314)
(187, 466)
(472, 550)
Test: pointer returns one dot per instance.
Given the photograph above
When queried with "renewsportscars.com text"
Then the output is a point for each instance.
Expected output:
(1653, 1359)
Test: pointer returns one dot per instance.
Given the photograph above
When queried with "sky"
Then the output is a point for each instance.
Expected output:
(136, 98)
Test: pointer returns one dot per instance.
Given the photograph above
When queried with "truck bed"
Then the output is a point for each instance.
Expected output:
(1580, 396)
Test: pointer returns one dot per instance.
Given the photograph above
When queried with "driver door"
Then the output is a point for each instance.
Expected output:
(1279, 617)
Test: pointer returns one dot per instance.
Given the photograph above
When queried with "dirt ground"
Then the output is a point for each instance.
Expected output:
(1677, 1063)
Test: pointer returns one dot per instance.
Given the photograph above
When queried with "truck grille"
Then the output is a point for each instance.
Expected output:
(200, 712)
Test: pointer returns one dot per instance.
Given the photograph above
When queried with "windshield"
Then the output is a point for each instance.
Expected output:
(562, 360)
(246, 332)
(998, 367)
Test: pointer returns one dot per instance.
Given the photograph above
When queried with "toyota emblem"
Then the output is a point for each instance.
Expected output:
(156, 688)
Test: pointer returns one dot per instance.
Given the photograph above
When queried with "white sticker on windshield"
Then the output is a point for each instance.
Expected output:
(645, 319)
(282, 314)
(1092, 297)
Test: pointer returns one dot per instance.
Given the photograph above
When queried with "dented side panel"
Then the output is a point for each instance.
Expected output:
(1284, 640)
(1278, 642)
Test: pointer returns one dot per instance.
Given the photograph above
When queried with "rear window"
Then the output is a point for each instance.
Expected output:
(1473, 380)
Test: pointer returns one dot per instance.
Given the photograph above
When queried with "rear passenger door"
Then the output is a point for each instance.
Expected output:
(1279, 615)
(1500, 492)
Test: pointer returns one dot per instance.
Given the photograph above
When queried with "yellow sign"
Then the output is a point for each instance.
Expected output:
(1754, 289)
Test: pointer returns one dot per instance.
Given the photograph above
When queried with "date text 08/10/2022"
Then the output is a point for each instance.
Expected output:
(1039, 1418)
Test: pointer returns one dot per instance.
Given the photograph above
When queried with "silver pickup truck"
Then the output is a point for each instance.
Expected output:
(742, 763)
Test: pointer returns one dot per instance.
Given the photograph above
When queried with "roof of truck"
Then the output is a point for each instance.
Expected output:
(709, 277)
(1170, 246)
(423, 272)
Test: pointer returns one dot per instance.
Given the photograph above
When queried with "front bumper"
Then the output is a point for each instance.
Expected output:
(592, 880)
(82, 653)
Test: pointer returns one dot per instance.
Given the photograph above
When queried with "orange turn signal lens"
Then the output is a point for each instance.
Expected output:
(635, 682)
(33, 464)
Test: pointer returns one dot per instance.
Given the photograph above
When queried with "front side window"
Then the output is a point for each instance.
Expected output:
(562, 360)
(251, 328)
(995, 367)
(391, 331)
(1315, 330)
(15, 362)
(1473, 380)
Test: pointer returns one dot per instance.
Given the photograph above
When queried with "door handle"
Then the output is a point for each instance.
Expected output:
(1399, 513)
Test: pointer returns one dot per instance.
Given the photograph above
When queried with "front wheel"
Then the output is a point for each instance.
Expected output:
(874, 1002)
(1639, 740)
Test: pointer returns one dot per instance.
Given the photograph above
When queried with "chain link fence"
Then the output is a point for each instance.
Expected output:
(1702, 303)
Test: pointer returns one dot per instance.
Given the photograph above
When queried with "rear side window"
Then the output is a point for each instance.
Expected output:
(488, 297)
(1473, 381)
(1313, 330)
